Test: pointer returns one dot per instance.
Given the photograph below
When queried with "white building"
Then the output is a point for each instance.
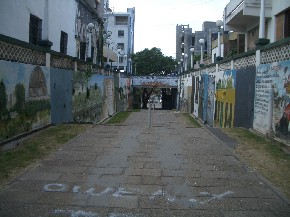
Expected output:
(119, 27)
(61, 25)
(40, 21)
(243, 17)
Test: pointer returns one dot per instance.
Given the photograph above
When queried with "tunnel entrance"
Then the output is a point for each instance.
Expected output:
(160, 91)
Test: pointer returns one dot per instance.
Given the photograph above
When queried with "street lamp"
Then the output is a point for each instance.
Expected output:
(130, 65)
(90, 28)
(191, 59)
(125, 58)
(181, 66)
(219, 24)
(118, 54)
(185, 62)
(201, 41)
(108, 42)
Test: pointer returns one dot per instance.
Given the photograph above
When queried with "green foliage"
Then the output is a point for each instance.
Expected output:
(197, 57)
(191, 119)
(152, 62)
(119, 118)
(88, 73)
(232, 52)
(36, 148)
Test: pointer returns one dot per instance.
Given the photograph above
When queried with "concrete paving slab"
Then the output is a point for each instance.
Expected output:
(132, 170)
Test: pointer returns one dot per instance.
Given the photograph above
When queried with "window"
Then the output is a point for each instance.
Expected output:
(83, 46)
(121, 33)
(121, 20)
(63, 42)
(121, 60)
(35, 29)
(120, 46)
(283, 25)
(287, 24)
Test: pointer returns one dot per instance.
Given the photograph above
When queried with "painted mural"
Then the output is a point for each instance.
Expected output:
(155, 81)
(210, 106)
(89, 97)
(125, 92)
(186, 94)
(24, 98)
(196, 99)
(272, 99)
(225, 97)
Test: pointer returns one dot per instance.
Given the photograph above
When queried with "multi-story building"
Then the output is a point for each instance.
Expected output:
(208, 27)
(184, 41)
(243, 17)
(119, 29)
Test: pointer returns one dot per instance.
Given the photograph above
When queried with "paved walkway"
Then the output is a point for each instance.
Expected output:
(167, 170)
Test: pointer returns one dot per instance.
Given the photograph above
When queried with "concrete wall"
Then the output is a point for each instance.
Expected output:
(245, 93)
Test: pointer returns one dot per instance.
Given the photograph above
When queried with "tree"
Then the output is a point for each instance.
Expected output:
(152, 62)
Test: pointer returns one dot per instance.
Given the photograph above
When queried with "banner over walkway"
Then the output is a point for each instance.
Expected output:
(155, 81)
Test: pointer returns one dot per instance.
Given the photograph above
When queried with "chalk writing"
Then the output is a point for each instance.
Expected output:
(123, 192)
(75, 213)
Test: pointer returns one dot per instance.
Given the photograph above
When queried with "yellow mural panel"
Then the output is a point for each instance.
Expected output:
(225, 107)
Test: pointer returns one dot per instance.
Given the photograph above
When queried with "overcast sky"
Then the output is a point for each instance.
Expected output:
(156, 20)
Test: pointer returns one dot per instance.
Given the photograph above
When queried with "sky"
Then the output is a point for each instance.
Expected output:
(156, 20)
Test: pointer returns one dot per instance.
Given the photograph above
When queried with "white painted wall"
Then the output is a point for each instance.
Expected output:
(62, 15)
(15, 17)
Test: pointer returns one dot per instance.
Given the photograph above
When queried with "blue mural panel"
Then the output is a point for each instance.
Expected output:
(61, 95)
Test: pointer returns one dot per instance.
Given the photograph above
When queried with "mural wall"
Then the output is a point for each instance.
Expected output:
(124, 92)
(210, 106)
(272, 99)
(93, 98)
(225, 97)
(196, 88)
(24, 98)
(186, 94)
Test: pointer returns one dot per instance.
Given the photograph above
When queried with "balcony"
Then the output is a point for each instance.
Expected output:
(241, 15)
